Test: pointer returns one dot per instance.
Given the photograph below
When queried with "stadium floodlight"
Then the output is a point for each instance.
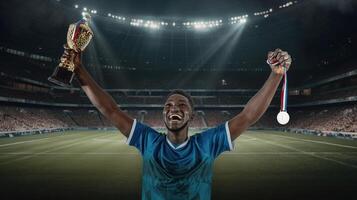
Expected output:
(173, 24)
(109, 15)
(76, 6)
(85, 9)
(86, 16)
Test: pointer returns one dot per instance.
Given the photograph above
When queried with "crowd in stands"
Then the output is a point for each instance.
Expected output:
(18, 118)
(343, 118)
(22, 119)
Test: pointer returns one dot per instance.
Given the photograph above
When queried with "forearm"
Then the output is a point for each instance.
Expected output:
(99, 98)
(260, 102)
(279, 62)
(103, 101)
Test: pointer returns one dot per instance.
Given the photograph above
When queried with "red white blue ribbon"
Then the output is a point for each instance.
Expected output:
(284, 93)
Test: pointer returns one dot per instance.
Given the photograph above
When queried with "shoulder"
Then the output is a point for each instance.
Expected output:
(143, 131)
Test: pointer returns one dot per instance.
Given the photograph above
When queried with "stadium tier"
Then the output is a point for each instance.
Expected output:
(321, 119)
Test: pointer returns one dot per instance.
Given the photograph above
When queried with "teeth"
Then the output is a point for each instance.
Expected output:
(178, 116)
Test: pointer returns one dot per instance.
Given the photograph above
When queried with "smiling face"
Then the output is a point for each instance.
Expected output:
(177, 112)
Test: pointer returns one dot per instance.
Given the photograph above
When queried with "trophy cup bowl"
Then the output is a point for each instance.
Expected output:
(78, 37)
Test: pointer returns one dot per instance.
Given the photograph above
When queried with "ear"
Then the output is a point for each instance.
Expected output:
(193, 115)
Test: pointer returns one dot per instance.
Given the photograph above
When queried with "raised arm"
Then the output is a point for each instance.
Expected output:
(101, 99)
(260, 102)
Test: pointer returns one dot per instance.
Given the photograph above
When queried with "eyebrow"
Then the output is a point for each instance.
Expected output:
(181, 100)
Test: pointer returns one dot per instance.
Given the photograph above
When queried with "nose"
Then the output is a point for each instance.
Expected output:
(174, 108)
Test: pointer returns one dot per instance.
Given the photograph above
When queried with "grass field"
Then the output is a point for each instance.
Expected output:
(99, 165)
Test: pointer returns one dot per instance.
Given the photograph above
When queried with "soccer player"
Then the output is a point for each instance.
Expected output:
(176, 166)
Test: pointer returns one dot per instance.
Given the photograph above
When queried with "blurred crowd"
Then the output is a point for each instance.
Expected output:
(333, 118)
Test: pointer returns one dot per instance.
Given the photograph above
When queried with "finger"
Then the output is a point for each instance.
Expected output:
(286, 56)
(63, 59)
(281, 59)
(277, 51)
(66, 53)
(65, 46)
(283, 56)
(278, 55)
(272, 58)
(286, 64)
(283, 53)
(286, 59)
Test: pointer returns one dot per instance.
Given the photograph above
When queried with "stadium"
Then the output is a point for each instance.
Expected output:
(55, 144)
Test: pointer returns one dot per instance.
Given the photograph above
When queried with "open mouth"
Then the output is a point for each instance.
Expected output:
(175, 117)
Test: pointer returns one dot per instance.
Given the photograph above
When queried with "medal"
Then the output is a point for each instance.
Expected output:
(283, 116)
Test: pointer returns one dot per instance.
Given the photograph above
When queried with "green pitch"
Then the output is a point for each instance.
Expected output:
(99, 165)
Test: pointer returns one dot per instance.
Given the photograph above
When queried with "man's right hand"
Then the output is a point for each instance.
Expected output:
(71, 54)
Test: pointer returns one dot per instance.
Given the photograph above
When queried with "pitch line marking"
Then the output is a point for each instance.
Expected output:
(319, 142)
(28, 141)
(120, 153)
(246, 140)
(306, 153)
(45, 153)
(77, 141)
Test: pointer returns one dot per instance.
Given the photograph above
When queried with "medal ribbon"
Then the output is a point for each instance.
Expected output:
(284, 93)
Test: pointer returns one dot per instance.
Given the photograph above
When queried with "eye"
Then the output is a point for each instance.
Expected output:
(182, 105)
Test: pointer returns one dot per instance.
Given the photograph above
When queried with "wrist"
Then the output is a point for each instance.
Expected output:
(78, 69)
(276, 75)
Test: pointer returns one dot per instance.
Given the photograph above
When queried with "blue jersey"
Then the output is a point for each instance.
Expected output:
(181, 172)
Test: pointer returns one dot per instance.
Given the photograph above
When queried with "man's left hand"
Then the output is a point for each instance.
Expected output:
(279, 61)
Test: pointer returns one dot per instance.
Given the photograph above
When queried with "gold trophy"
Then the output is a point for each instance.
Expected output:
(78, 37)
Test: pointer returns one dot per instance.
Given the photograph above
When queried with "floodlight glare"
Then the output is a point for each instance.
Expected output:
(243, 21)
(76, 6)
(86, 16)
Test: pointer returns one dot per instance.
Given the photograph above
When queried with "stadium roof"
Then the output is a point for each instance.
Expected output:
(313, 31)
(182, 8)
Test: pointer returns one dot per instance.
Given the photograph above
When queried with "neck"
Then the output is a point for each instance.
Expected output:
(178, 137)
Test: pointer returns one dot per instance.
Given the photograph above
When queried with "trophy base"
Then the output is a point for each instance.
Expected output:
(62, 77)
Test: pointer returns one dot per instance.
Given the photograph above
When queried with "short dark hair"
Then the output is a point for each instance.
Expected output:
(183, 93)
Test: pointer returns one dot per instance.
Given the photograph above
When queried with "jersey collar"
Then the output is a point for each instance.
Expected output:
(179, 146)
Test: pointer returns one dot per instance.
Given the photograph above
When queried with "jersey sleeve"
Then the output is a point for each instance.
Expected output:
(141, 136)
(216, 140)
